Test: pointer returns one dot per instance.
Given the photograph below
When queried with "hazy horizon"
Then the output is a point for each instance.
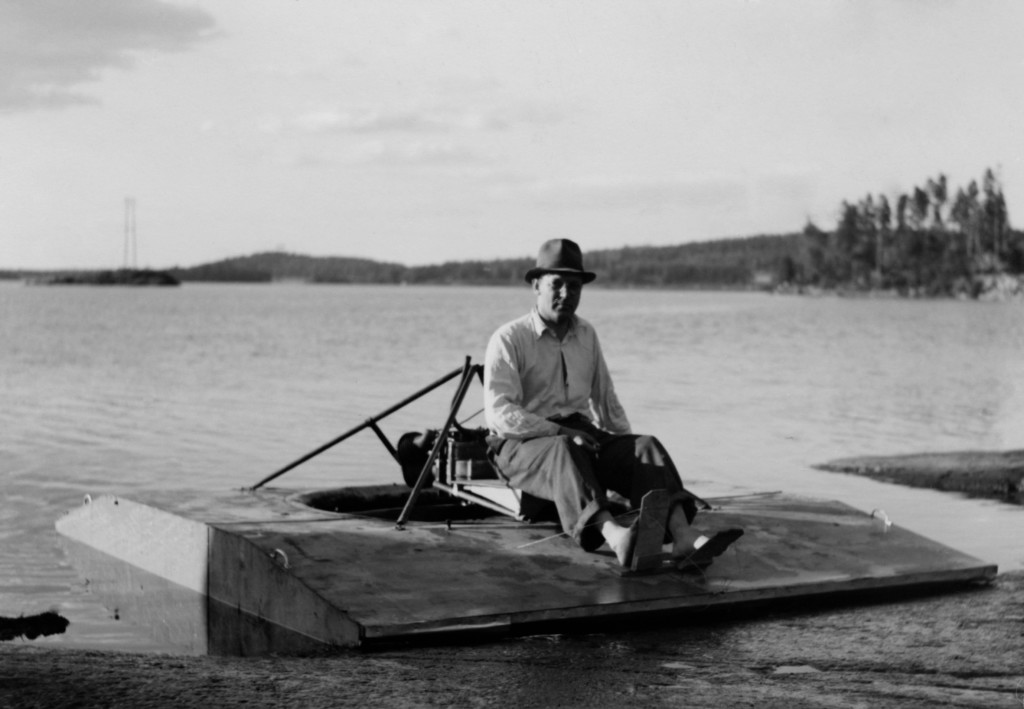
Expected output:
(529, 256)
(448, 130)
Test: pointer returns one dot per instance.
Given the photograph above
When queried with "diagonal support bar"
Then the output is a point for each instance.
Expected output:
(468, 370)
(370, 422)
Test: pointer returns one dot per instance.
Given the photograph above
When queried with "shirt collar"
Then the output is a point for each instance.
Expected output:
(540, 327)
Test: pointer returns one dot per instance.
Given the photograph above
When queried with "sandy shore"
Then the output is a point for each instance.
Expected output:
(963, 649)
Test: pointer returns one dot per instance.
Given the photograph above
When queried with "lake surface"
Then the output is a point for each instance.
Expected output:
(216, 386)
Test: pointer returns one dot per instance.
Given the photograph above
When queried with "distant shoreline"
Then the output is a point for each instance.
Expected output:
(812, 262)
(119, 277)
(762, 263)
(1011, 289)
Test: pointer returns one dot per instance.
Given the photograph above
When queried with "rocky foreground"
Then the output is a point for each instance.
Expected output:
(995, 475)
(962, 649)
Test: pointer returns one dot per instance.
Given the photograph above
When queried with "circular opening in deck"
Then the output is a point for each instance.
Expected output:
(387, 502)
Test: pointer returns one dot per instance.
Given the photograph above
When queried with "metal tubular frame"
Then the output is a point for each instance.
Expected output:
(370, 423)
(468, 370)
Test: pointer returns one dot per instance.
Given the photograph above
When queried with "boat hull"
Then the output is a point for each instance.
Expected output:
(265, 572)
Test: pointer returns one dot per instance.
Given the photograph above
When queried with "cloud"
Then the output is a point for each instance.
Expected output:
(793, 183)
(296, 70)
(420, 153)
(640, 193)
(375, 153)
(50, 47)
(395, 121)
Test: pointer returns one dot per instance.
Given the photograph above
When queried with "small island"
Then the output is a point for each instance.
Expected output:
(119, 277)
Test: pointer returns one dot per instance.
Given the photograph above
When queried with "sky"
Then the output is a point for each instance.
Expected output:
(435, 130)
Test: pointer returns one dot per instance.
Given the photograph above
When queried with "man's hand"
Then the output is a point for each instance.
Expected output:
(580, 438)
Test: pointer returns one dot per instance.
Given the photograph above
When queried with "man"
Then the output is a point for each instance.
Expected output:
(558, 430)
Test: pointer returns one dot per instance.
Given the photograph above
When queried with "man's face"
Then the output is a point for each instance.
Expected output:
(558, 296)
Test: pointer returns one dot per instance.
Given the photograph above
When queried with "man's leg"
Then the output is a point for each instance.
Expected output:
(554, 468)
(633, 466)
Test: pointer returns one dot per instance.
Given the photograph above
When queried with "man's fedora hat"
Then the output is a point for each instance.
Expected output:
(560, 256)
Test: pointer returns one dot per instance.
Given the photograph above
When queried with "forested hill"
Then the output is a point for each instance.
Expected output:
(724, 263)
(280, 266)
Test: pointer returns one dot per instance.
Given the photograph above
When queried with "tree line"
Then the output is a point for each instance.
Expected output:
(927, 241)
(930, 240)
(724, 263)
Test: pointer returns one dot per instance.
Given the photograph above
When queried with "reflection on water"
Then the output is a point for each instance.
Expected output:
(210, 387)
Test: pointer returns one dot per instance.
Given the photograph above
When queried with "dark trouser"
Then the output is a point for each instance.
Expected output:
(554, 468)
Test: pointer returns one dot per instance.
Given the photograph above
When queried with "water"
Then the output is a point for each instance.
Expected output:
(216, 386)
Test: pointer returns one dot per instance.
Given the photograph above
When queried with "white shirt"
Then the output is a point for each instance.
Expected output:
(526, 382)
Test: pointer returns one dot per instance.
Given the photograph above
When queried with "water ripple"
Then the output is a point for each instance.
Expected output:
(218, 386)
